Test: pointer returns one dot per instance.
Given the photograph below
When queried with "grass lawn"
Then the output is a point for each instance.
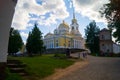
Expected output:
(12, 76)
(42, 66)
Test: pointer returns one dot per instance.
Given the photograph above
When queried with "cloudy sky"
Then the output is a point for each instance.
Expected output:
(50, 13)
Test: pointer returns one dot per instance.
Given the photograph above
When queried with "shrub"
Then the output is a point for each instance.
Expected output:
(59, 55)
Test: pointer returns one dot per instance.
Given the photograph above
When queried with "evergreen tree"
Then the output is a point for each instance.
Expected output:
(15, 41)
(29, 43)
(34, 43)
(111, 11)
(92, 38)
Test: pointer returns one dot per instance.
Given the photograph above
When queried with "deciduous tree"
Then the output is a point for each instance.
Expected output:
(111, 11)
(92, 38)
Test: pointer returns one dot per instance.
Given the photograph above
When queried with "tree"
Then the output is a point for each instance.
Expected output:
(34, 41)
(15, 41)
(111, 11)
(92, 38)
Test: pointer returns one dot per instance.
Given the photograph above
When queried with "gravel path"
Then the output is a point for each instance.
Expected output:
(99, 68)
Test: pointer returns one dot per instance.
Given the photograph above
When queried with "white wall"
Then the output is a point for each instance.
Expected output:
(105, 35)
(6, 15)
(108, 47)
(116, 48)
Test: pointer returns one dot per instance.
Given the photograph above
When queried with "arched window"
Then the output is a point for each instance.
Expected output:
(102, 36)
(76, 28)
(103, 45)
(56, 43)
(69, 43)
(72, 28)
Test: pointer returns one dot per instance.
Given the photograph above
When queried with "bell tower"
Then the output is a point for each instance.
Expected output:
(74, 26)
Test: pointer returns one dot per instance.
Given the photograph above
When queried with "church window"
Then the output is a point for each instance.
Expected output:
(69, 44)
(102, 37)
(108, 50)
(103, 45)
(56, 43)
(76, 28)
(72, 28)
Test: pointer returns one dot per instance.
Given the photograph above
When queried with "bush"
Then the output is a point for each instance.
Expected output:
(59, 55)
(116, 55)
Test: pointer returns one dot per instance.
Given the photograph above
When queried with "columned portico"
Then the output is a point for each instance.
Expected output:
(6, 14)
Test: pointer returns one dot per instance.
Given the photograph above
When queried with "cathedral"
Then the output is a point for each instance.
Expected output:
(65, 36)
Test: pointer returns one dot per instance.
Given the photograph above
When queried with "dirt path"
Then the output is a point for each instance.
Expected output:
(99, 68)
(63, 72)
(94, 68)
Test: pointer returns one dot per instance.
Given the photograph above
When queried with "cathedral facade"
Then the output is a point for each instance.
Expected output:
(65, 36)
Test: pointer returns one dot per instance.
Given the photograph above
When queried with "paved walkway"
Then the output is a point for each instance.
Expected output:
(99, 68)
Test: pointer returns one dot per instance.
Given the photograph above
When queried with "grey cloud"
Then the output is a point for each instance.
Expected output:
(85, 2)
(25, 5)
(90, 8)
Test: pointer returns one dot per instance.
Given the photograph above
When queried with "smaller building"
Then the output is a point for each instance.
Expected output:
(107, 46)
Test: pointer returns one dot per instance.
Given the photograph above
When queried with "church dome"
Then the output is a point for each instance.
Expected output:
(63, 25)
(74, 20)
(49, 33)
(63, 28)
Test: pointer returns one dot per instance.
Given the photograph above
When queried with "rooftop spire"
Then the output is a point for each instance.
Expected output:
(73, 20)
(63, 21)
(73, 14)
(73, 10)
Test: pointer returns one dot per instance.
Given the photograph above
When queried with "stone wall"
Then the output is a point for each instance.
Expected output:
(62, 50)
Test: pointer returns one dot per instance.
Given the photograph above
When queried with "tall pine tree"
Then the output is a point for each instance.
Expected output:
(34, 43)
(92, 38)
(15, 41)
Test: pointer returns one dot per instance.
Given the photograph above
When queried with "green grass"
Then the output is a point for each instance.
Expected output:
(42, 66)
(12, 76)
